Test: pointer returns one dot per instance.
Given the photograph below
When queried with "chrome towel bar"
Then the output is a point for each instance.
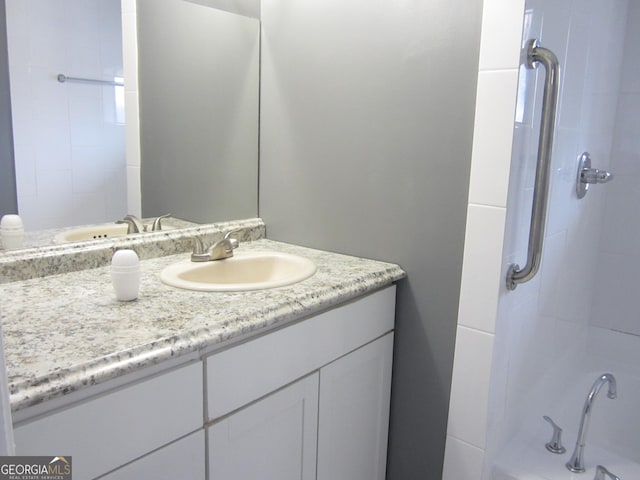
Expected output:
(537, 54)
(63, 78)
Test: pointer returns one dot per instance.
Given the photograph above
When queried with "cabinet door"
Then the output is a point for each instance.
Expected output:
(273, 438)
(354, 414)
(181, 459)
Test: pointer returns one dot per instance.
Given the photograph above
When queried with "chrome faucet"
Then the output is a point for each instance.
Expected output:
(219, 250)
(576, 463)
(601, 472)
(135, 225)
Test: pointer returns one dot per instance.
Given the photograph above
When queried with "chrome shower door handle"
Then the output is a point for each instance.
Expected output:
(535, 55)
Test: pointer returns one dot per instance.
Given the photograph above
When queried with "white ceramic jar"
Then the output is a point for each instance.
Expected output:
(11, 232)
(125, 274)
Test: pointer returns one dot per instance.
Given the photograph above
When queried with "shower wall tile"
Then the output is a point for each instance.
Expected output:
(461, 461)
(609, 19)
(470, 386)
(542, 327)
(492, 137)
(626, 146)
(617, 287)
(564, 207)
(631, 70)
(51, 119)
(575, 64)
(621, 233)
(501, 32)
(481, 268)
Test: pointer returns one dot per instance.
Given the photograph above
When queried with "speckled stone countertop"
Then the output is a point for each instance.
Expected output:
(23, 264)
(66, 332)
(47, 237)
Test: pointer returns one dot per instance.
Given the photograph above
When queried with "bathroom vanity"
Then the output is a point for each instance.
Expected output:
(285, 383)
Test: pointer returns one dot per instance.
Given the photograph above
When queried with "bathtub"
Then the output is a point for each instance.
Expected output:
(528, 459)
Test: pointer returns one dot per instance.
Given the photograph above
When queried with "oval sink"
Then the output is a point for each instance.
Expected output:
(91, 233)
(242, 272)
(95, 232)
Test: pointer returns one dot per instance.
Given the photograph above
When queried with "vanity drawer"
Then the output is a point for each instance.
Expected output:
(112, 429)
(246, 372)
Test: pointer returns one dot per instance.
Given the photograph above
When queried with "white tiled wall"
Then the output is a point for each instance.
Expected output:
(543, 327)
(619, 257)
(482, 264)
(68, 137)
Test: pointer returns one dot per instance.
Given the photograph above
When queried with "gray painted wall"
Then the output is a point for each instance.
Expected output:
(198, 73)
(8, 198)
(367, 113)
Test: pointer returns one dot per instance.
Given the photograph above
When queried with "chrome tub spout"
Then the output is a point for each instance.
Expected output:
(576, 463)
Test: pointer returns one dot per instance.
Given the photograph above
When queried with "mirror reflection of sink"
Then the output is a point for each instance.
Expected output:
(243, 272)
(95, 232)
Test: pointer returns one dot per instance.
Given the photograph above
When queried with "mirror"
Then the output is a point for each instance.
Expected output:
(190, 99)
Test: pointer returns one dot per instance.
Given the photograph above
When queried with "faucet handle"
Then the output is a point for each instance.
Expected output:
(555, 444)
(157, 223)
(134, 225)
(199, 253)
(601, 472)
(234, 241)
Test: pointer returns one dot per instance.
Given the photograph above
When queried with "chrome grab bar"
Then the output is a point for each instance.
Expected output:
(63, 78)
(537, 54)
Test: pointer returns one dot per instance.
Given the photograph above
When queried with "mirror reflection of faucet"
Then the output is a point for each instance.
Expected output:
(135, 225)
(576, 463)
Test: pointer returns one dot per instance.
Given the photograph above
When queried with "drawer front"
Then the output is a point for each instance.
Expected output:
(182, 459)
(105, 432)
(251, 370)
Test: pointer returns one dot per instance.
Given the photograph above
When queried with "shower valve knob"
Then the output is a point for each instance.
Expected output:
(555, 444)
(588, 176)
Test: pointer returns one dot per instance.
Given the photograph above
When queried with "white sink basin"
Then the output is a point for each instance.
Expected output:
(242, 272)
(95, 232)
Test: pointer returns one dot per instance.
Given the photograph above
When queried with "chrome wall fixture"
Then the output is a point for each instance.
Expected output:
(535, 55)
(63, 78)
(587, 175)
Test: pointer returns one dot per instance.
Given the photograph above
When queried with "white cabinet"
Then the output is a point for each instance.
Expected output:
(107, 431)
(354, 414)
(273, 438)
(306, 402)
(264, 418)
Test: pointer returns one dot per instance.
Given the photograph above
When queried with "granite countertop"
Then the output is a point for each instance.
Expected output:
(66, 332)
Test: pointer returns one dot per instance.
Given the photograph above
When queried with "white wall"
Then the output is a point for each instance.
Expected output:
(538, 341)
(68, 138)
